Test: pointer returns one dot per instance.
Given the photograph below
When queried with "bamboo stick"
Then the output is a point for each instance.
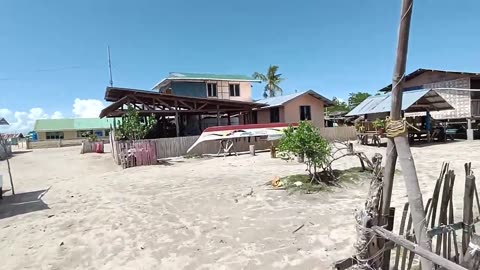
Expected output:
(417, 249)
(467, 211)
(401, 143)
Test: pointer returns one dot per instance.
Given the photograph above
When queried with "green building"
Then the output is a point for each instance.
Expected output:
(71, 129)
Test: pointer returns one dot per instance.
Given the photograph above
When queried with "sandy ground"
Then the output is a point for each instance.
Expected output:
(196, 214)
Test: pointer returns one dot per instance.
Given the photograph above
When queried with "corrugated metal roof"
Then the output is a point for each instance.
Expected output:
(412, 101)
(72, 124)
(179, 76)
(420, 71)
(279, 101)
(3, 122)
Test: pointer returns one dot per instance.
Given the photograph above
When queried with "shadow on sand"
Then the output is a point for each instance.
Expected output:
(19, 152)
(22, 203)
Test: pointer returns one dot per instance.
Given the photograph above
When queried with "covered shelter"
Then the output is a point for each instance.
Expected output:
(422, 100)
(186, 111)
(416, 106)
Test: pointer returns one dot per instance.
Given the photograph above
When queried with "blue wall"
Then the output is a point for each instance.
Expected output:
(191, 89)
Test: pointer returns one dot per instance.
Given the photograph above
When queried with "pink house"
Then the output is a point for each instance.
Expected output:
(293, 108)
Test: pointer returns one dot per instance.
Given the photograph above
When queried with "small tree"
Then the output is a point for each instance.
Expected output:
(305, 140)
(355, 99)
(132, 127)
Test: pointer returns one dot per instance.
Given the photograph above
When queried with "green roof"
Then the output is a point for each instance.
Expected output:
(179, 76)
(198, 76)
(72, 124)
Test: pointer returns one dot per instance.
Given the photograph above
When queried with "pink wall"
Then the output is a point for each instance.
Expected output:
(223, 90)
(292, 110)
(263, 116)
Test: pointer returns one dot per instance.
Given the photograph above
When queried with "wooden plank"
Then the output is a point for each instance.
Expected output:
(451, 218)
(408, 235)
(442, 220)
(436, 193)
(387, 253)
(402, 227)
(417, 249)
(467, 211)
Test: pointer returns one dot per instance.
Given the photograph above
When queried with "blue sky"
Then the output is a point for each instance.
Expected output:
(53, 52)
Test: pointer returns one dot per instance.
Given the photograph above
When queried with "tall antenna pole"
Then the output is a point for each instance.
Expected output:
(110, 66)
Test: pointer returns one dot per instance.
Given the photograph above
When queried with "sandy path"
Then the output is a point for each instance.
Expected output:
(193, 215)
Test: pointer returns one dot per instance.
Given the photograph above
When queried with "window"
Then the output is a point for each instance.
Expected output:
(275, 115)
(211, 89)
(305, 113)
(84, 133)
(107, 132)
(99, 133)
(54, 135)
(234, 90)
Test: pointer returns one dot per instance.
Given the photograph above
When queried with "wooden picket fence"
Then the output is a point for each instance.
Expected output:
(178, 146)
(454, 242)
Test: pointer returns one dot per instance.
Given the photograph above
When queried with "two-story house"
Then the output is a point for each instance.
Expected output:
(459, 89)
(231, 87)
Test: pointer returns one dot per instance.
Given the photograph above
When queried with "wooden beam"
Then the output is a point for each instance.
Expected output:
(422, 252)
(141, 102)
(177, 122)
(468, 211)
(163, 103)
(203, 106)
(185, 104)
(218, 115)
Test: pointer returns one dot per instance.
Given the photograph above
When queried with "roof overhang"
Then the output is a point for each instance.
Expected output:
(3, 122)
(149, 102)
(420, 71)
(412, 101)
(166, 81)
(327, 102)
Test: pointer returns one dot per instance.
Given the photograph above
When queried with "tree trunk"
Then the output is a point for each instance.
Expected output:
(10, 174)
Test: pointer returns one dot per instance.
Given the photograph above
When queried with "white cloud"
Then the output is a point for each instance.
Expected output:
(85, 108)
(57, 115)
(23, 121)
(5, 112)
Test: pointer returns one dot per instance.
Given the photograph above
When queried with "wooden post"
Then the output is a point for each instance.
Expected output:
(218, 115)
(3, 144)
(228, 119)
(400, 143)
(386, 255)
(467, 211)
(252, 149)
(177, 122)
(200, 123)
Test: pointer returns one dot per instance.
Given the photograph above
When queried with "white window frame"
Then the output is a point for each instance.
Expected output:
(208, 90)
(236, 86)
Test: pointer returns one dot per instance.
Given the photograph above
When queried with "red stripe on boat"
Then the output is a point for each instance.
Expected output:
(251, 126)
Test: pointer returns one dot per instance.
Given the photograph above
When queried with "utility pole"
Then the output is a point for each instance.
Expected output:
(110, 66)
(398, 144)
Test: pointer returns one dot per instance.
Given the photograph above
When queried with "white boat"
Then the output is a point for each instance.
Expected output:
(271, 132)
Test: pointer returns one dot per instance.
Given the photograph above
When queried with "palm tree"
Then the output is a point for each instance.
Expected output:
(272, 79)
